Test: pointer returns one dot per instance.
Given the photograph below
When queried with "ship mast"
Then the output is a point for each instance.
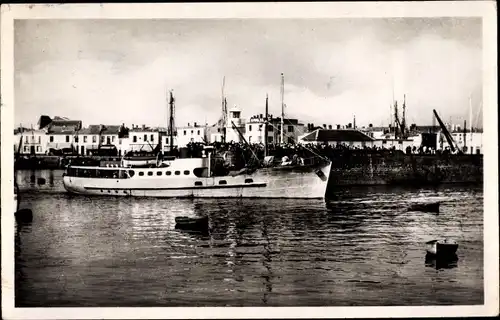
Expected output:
(265, 126)
(282, 108)
(403, 122)
(171, 124)
(224, 110)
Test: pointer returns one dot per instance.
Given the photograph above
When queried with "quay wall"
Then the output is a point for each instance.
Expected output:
(372, 169)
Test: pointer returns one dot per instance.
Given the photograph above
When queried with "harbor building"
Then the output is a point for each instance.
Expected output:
(254, 130)
(348, 137)
(143, 138)
(189, 134)
(88, 140)
(34, 141)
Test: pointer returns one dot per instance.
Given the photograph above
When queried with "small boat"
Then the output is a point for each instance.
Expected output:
(425, 207)
(444, 247)
(193, 224)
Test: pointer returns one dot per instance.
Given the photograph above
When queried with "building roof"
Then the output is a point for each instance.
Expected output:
(337, 135)
(96, 129)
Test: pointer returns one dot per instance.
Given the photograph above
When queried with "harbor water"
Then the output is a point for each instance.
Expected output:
(360, 247)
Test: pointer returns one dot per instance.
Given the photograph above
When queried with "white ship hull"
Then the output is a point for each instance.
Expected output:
(283, 182)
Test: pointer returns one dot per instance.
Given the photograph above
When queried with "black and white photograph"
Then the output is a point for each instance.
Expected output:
(180, 156)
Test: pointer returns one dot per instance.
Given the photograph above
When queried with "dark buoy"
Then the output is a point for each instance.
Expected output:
(192, 224)
(24, 216)
(41, 181)
(425, 207)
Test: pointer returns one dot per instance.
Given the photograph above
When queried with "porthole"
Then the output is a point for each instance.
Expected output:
(168, 173)
(159, 173)
(131, 173)
(222, 182)
(141, 173)
(198, 183)
(177, 173)
(186, 172)
(150, 173)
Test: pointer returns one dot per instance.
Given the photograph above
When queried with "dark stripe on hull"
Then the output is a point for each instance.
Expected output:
(256, 185)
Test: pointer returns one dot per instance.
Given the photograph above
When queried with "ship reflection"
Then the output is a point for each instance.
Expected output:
(441, 262)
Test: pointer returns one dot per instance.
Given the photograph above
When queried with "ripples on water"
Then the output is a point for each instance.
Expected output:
(360, 247)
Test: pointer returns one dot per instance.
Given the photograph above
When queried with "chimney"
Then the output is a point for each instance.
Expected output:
(349, 125)
(338, 127)
(324, 126)
(370, 125)
(330, 127)
(195, 124)
(188, 124)
(143, 127)
(354, 122)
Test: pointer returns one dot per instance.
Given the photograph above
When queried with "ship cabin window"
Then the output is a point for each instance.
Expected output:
(134, 138)
(131, 173)
(184, 132)
(141, 173)
(177, 173)
(200, 172)
(249, 127)
(98, 173)
(145, 137)
(51, 139)
(168, 173)
(159, 173)
(67, 138)
(152, 137)
(150, 173)
(186, 172)
(222, 182)
(198, 183)
(248, 180)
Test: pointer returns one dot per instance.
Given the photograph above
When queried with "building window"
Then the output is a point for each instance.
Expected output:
(152, 138)
(269, 139)
(26, 149)
(186, 172)
(134, 138)
(39, 139)
(33, 139)
(177, 173)
(223, 182)
(290, 128)
(27, 140)
(51, 139)
(102, 139)
(145, 137)
(249, 127)
(270, 128)
(38, 149)
(113, 138)
(141, 173)
(94, 139)
(166, 140)
(76, 139)
(192, 132)
(67, 138)
(184, 132)
(84, 139)
(290, 139)
(250, 139)
(218, 129)
(198, 132)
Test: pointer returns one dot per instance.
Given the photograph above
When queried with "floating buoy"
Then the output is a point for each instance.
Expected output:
(24, 216)
(41, 181)
(425, 207)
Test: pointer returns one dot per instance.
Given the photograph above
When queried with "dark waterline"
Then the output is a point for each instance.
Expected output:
(360, 247)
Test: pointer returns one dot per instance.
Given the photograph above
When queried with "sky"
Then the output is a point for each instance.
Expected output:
(119, 71)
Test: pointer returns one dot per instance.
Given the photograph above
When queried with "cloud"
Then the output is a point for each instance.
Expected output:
(119, 71)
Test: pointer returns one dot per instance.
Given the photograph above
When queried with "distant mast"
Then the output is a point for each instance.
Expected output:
(171, 125)
(224, 110)
(403, 121)
(470, 120)
(265, 126)
(282, 108)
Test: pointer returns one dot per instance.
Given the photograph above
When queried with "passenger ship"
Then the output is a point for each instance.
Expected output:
(192, 177)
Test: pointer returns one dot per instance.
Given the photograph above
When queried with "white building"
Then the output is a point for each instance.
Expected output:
(232, 134)
(254, 130)
(143, 138)
(187, 134)
(33, 141)
(347, 137)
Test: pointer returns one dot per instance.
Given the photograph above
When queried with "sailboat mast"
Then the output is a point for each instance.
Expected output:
(470, 120)
(265, 126)
(171, 122)
(224, 110)
(282, 108)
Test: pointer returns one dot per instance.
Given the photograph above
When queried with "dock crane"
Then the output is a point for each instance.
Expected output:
(447, 135)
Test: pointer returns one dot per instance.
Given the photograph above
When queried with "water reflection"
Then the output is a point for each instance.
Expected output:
(438, 262)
